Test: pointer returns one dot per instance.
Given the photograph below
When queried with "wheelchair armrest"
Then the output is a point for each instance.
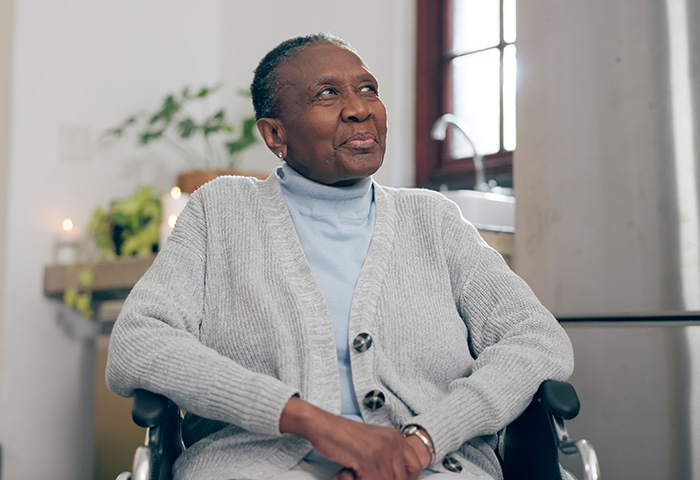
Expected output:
(529, 445)
(559, 399)
(149, 409)
(161, 417)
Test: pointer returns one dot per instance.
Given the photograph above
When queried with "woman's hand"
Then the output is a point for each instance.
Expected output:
(416, 459)
(419, 457)
(368, 452)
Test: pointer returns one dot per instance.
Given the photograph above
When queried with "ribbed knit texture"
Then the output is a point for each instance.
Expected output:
(229, 322)
(334, 226)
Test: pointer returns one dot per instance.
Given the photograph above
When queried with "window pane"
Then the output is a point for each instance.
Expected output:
(476, 25)
(509, 82)
(476, 80)
(509, 31)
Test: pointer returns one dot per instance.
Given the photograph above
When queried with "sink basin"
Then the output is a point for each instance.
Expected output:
(487, 211)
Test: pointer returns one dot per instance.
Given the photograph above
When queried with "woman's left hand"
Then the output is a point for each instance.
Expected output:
(416, 459)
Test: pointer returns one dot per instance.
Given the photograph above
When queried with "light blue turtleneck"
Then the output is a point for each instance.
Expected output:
(335, 226)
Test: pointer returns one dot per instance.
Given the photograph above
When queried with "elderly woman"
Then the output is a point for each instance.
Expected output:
(317, 325)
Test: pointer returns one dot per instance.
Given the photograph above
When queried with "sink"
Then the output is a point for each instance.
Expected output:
(486, 210)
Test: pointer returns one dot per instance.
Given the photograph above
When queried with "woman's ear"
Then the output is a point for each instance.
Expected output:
(273, 134)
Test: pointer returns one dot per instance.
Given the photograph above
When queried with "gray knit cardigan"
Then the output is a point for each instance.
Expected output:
(229, 323)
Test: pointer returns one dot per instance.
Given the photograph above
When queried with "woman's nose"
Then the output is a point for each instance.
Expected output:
(356, 109)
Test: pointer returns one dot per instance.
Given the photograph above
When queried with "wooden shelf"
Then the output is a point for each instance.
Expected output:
(113, 279)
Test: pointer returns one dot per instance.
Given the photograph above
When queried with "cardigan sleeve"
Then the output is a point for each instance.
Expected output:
(155, 345)
(516, 341)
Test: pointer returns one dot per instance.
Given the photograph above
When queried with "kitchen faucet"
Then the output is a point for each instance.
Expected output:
(439, 132)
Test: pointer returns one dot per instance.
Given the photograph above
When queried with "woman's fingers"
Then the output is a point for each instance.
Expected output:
(344, 474)
(368, 452)
(372, 452)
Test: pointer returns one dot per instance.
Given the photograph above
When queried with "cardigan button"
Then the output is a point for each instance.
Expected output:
(451, 464)
(362, 342)
(374, 400)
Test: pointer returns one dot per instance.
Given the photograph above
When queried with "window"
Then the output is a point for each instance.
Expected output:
(466, 66)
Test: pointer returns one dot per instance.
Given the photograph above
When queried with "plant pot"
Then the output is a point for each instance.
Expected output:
(193, 179)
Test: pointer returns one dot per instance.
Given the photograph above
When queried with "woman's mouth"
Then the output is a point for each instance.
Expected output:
(360, 140)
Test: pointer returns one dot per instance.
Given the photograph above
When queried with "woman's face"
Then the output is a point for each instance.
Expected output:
(332, 122)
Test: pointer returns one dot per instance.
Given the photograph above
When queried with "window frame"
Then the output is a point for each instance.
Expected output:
(433, 165)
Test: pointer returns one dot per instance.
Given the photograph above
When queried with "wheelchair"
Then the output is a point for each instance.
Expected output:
(528, 447)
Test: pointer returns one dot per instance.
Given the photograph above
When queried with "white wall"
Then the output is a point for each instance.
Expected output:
(81, 66)
(6, 24)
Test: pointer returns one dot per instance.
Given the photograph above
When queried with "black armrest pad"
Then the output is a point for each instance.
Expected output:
(560, 399)
(149, 409)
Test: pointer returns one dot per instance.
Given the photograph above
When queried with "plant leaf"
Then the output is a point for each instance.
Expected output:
(247, 137)
(187, 127)
(86, 277)
(69, 296)
(249, 125)
(148, 136)
(167, 112)
(82, 304)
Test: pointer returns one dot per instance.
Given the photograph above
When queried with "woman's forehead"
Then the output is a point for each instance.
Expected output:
(322, 59)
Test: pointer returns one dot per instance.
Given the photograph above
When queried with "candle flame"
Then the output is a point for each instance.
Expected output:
(67, 225)
(175, 192)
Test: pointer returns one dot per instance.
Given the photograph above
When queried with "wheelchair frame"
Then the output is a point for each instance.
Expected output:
(528, 447)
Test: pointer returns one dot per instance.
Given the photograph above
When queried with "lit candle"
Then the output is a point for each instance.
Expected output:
(66, 243)
(171, 204)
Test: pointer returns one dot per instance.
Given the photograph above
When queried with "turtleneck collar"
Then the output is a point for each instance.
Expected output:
(355, 198)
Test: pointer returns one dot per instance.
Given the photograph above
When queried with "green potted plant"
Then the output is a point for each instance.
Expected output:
(204, 137)
(128, 227)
